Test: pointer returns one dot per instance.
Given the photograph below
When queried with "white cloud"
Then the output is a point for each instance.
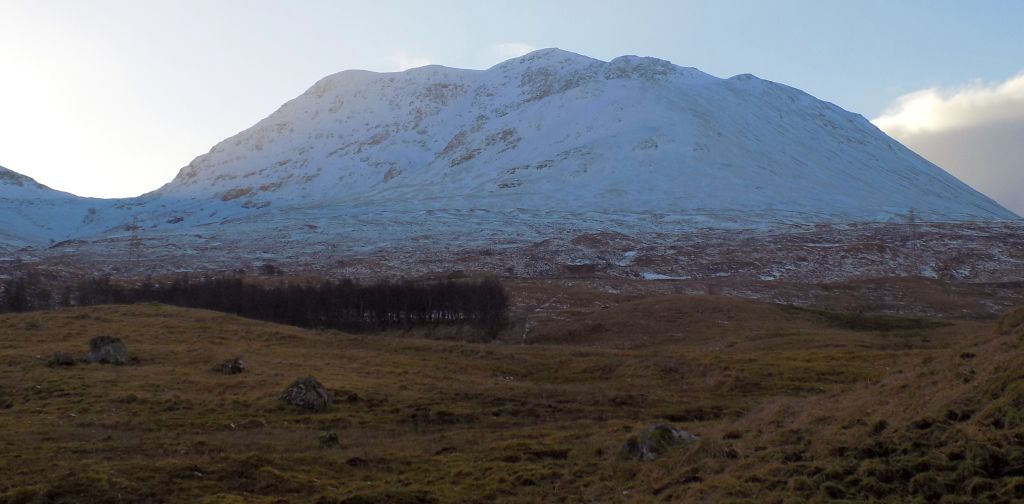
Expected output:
(405, 61)
(934, 110)
(973, 131)
(509, 50)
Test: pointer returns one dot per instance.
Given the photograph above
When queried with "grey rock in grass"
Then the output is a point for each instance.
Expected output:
(654, 442)
(108, 350)
(231, 366)
(308, 394)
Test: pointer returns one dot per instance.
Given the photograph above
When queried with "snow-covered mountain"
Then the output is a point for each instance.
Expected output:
(552, 137)
(554, 130)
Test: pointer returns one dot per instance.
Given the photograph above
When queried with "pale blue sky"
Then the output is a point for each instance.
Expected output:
(112, 97)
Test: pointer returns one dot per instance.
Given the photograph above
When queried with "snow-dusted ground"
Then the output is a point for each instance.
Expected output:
(533, 247)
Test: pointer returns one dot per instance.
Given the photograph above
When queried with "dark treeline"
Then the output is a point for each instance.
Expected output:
(344, 305)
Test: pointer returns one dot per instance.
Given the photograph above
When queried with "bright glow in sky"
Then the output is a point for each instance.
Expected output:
(112, 97)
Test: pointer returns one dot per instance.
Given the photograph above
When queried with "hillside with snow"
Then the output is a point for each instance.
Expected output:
(33, 214)
(546, 145)
(556, 131)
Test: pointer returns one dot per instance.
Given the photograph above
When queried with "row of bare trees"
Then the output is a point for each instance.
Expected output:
(344, 305)
(25, 292)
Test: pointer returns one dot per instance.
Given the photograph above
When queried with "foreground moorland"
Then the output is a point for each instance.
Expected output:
(790, 405)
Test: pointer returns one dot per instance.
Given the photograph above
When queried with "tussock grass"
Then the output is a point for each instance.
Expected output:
(797, 409)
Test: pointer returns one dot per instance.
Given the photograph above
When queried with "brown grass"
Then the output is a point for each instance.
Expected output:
(789, 406)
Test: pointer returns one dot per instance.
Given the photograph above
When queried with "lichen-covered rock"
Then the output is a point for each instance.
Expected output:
(231, 366)
(108, 350)
(60, 359)
(654, 442)
(308, 394)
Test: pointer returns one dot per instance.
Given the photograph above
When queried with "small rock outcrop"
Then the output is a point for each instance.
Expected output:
(108, 350)
(60, 359)
(308, 394)
(654, 442)
(329, 440)
(231, 366)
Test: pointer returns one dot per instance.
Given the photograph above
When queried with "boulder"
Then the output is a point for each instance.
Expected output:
(231, 366)
(654, 442)
(308, 394)
(108, 350)
(60, 359)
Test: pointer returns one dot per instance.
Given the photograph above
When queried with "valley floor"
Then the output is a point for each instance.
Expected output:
(790, 405)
